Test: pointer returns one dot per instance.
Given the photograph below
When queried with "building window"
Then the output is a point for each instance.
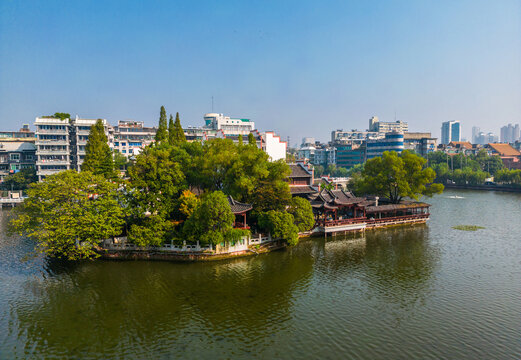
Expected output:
(14, 157)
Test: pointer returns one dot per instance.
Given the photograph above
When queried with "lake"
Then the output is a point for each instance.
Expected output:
(424, 292)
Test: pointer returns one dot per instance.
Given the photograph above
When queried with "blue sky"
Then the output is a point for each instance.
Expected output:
(301, 68)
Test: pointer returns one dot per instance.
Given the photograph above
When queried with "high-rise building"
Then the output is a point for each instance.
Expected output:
(450, 131)
(509, 133)
(475, 134)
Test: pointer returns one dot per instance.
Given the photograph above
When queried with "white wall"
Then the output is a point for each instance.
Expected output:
(273, 146)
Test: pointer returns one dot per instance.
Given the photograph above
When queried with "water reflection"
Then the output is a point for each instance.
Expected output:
(103, 307)
(421, 292)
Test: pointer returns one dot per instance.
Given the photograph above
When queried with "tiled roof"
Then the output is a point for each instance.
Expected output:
(302, 189)
(392, 207)
(299, 170)
(238, 207)
(17, 146)
(504, 149)
(460, 144)
(334, 198)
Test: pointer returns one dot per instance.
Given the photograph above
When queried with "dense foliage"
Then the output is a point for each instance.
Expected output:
(69, 213)
(174, 191)
(464, 169)
(510, 177)
(396, 176)
(19, 180)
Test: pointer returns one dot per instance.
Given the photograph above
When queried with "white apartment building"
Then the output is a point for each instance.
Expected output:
(384, 127)
(228, 125)
(52, 146)
(130, 137)
(60, 144)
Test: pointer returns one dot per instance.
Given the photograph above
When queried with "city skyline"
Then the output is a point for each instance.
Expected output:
(297, 69)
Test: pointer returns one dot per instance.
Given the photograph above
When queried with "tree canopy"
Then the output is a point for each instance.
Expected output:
(396, 176)
(68, 213)
(20, 180)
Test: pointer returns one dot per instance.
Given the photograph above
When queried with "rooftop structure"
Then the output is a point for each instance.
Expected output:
(382, 127)
(24, 134)
(228, 125)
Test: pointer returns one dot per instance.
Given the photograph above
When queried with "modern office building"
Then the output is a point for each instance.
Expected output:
(450, 131)
(391, 142)
(350, 154)
(383, 127)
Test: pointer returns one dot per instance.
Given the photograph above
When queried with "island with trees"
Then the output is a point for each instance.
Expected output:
(205, 200)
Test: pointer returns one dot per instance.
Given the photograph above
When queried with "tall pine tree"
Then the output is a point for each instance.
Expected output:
(171, 132)
(179, 134)
(162, 131)
(98, 157)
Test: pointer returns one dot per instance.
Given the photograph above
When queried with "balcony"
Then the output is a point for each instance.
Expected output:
(53, 152)
(52, 162)
(53, 132)
(51, 142)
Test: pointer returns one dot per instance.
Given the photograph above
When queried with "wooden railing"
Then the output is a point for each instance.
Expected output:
(341, 222)
(397, 218)
(369, 220)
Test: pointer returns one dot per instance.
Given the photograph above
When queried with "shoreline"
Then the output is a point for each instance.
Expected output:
(484, 187)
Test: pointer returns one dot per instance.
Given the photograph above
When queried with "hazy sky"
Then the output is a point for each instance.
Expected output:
(301, 68)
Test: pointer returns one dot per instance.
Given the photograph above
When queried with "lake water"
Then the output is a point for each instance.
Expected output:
(426, 292)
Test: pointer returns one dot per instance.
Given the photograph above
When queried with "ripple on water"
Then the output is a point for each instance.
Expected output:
(425, 292)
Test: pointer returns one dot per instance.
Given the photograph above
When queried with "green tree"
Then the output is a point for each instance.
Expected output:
(156, 181)
(154, 230)
(162, 130)
(171, 131)
(280, 225)
(240, 140)
(302, 213)
(251, 139)
(120, 161)
(211, 221)
(98, 156)
(396, 176)
(188, 202)
(62, 116)
(69, 213)
(179, 134)
(20, 180)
